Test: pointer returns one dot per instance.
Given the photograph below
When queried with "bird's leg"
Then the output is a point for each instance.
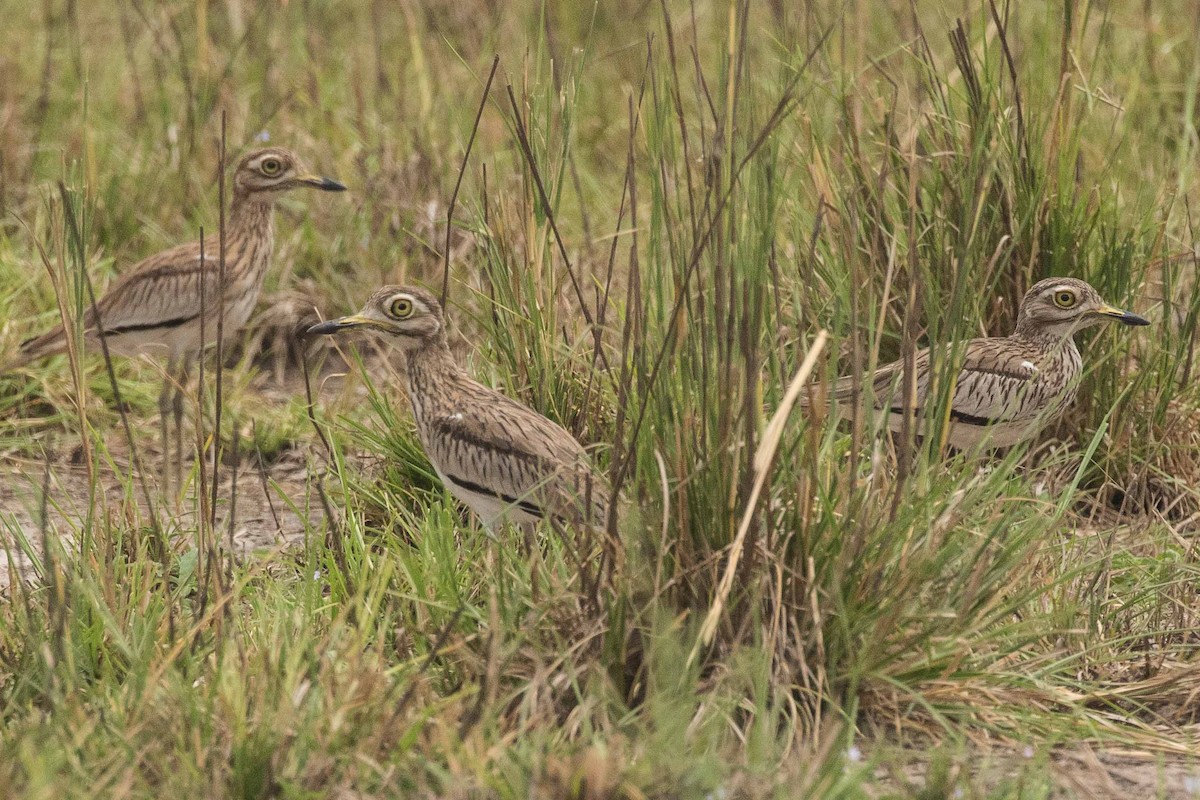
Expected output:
(164, 405)
(181, 380)
(533, 553)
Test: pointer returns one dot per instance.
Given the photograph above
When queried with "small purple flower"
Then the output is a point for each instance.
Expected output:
(263, 136)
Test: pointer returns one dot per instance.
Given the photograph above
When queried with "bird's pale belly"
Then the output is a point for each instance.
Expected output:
(491, 510)
(965, 436)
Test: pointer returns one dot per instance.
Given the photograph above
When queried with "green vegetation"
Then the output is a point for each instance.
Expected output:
(663, 205)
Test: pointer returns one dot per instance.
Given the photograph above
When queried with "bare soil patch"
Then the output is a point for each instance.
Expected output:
(1077, 771)
(273, 506)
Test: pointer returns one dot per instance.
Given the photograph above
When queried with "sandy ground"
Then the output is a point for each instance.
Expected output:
(1076, 771)
(275, 506)
(271, 510)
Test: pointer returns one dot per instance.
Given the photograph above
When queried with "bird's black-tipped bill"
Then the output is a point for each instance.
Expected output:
(352, 322)
(324, 184)
(1122, 316)
(1129, 318)
(329, 327)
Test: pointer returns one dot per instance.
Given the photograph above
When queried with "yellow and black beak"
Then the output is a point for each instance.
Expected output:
(324, 184)
(352, 322)
(1120, 315)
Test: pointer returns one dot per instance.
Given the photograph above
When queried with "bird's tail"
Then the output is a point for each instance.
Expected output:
(817, 394)
(48, 344)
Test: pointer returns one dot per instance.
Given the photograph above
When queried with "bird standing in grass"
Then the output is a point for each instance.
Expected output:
(505, 461)
(155, 308)
(1008, 387)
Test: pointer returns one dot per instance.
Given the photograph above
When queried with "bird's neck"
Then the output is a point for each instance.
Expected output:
(431, 371)
(250, 235)
(252, 213)
(1050, 339)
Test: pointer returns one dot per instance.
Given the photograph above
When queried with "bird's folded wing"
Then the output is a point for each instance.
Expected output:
(996, 383)
(515, 455)
(991, 385)
(163, 291)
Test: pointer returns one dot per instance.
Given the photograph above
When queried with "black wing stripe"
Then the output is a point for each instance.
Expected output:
(150, 326)
(958, 416)
(524, 505)
(1002, 373)
(970, 419)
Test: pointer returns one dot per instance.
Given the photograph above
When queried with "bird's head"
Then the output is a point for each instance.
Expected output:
(1061, 306)
(275, 169)
(412, 316)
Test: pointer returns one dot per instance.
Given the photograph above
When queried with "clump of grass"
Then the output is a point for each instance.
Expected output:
(650, 233)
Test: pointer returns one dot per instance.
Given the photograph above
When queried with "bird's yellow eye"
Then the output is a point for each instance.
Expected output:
(1064, 298)
(401, 308)
(271, 167)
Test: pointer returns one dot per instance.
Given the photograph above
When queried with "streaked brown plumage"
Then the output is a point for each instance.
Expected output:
(1008, 387)
(155, 308)
(500, 458)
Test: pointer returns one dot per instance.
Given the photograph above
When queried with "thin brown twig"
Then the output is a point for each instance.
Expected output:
(220, 366)
(535, 173)
(233, 482)
(462, 170)
(265, 479)
(310, 409)
(627, 330)
(158, 539)
(1010, 61)
(206, 552)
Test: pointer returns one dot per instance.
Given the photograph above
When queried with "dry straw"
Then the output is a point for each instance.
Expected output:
(763, 459)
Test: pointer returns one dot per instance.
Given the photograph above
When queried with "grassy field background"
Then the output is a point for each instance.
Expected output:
(663, 206)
